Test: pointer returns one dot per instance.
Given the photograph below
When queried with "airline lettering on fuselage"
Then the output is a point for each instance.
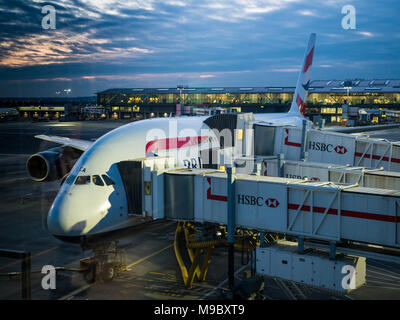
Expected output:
(192, 163)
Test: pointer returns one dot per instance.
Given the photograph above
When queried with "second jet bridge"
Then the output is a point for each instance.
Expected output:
(257, 138)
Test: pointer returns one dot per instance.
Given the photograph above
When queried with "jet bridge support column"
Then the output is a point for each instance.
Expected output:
(231, 222)
(304, 153)
(332, 250)
(300, 244)
(281, 163)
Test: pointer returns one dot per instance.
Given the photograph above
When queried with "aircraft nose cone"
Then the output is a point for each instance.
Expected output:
(53, 223)
(63, 218)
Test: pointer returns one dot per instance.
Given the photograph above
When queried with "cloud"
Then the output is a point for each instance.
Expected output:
(366, 33)
(60, 47)
(307, 13)
(218, 42)
(286, 70)
(235, 10)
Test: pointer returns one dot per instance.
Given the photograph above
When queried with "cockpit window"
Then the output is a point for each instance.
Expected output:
(97, 181)
(107, 180)
(82, 180)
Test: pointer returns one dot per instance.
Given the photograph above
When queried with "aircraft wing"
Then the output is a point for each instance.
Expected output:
(74, 143)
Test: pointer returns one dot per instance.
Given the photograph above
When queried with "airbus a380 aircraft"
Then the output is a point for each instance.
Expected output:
(92, 200)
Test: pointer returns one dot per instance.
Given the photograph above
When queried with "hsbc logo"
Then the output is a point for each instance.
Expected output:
(257, 201)
(326, 147)
(272, 203)
(340, 149)
(294, 176)
(250, 200)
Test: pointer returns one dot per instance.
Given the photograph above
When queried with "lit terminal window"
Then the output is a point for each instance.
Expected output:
(328, 110)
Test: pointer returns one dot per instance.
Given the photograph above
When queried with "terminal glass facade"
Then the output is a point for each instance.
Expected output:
(226, 98)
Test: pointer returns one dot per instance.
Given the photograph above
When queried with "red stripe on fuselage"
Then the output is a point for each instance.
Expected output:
(173, 143)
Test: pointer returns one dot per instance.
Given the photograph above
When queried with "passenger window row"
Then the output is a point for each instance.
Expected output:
(97, 180)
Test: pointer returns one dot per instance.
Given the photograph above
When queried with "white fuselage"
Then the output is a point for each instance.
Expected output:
(88, 209)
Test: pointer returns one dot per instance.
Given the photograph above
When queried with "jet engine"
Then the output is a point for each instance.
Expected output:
(52, 164)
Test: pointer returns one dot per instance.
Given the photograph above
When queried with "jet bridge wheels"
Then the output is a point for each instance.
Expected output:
(104, 264)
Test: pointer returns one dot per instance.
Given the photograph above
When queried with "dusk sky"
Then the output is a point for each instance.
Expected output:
(99, 45)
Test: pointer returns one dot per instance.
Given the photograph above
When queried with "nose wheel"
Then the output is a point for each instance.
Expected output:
(107, 261)
(108, 272)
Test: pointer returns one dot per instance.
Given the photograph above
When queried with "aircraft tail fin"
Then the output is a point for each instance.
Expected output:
(303, 82)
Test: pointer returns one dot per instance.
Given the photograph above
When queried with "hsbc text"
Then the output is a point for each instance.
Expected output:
(326, 147)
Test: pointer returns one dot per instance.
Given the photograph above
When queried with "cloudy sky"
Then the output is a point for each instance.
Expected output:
(101, 44)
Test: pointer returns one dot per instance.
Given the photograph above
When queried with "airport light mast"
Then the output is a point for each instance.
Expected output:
(348, 85)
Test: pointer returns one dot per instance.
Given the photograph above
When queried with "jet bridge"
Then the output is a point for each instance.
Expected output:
(315, 171)
(255, 138)
(316, 211)
(337, 148)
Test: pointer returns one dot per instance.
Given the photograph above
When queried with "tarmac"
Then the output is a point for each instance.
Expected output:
(153, 273)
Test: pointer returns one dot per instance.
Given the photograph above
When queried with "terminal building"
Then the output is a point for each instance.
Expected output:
(334, 101)
(325, 98)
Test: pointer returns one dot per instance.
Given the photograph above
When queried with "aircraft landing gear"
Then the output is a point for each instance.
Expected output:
(106, 262)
